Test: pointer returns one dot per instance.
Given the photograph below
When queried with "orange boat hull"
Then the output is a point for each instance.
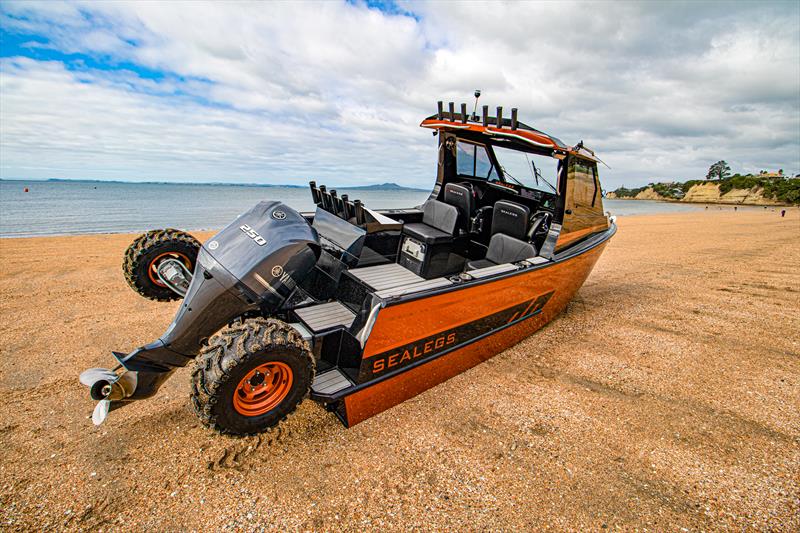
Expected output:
(443, 323)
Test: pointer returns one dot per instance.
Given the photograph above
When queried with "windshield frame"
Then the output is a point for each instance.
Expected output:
(489, 145)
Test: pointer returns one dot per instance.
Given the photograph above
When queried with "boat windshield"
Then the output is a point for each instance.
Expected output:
(529, 170)
(473, 160)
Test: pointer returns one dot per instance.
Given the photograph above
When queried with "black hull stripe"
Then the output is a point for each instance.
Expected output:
(338, 396)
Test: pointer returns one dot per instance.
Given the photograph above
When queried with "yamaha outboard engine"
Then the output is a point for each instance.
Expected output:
(251, 266)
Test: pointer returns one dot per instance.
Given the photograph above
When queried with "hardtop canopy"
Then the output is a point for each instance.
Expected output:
(515, 133)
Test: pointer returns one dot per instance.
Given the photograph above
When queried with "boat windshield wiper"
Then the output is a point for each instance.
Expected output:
(507, 173)
(537, 175)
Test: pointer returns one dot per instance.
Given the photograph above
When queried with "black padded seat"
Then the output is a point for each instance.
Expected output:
(438, 223)
(510, 219)
(509, 228)
(461, 197)
(426, 234)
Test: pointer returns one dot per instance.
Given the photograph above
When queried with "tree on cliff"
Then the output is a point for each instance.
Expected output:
(718, 170)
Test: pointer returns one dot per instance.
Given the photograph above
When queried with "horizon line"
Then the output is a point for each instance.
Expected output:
(214, 183)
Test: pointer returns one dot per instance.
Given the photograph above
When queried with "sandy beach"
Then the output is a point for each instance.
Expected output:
(666, 397)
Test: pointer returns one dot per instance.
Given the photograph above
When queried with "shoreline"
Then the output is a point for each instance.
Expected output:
(670, 201)
(213, 230)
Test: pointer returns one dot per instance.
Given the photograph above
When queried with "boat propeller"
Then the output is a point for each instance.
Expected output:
(106, 386)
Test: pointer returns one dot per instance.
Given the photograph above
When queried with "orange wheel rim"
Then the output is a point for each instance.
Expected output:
(152, 271)
(262, 389)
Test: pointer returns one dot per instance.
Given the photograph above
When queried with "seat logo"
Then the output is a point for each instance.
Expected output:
(253, 234)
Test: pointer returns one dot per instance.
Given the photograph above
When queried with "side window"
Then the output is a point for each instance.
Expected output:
(584, 176)
(465, 158)
(473, 160)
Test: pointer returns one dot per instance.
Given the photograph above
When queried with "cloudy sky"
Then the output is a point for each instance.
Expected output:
(280, 93)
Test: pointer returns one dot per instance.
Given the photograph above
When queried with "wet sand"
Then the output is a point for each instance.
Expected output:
(666, 396)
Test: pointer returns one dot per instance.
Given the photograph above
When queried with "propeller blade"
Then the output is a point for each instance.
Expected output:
(100, 412)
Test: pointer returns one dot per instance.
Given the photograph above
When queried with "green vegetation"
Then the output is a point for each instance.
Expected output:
(740, 182)
(622, 192)
(785, 190)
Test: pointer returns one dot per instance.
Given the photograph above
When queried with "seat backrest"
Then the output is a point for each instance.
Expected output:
(510, 219)
(440, 215)
(505, 249)
(460, 197)
(509, 233)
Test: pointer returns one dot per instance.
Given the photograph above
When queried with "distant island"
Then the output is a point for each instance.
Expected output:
(375, 187)
(381, 187)
(766, 188)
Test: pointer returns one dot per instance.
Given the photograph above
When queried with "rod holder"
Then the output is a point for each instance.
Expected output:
(440, 113)
(452, 107)
(514, 118)
(499, 116)
(485, 116)
(346, 209)
(358, 209)
(463, 113)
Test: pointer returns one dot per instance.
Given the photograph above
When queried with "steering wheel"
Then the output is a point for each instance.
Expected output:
(540, 226)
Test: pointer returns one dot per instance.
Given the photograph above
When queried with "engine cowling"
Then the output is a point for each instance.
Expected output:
(254, 263)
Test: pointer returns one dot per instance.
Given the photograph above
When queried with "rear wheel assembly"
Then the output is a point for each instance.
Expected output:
(251, 376)
(148, 251)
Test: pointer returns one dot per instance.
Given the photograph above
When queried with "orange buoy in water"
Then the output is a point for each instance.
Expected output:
(26, 189)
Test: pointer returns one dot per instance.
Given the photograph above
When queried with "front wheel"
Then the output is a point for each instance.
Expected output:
(251, 376)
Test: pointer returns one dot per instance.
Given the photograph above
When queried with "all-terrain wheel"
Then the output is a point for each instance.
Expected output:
(145, 254)
(251, 376)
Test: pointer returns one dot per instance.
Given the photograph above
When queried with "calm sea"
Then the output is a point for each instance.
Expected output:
(68, 208)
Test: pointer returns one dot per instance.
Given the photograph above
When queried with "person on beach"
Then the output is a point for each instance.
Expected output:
(783, 213)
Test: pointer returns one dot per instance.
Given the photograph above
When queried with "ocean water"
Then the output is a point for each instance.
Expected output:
(76, 207)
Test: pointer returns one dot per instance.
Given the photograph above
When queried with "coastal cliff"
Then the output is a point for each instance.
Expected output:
(709, 193)
(786, 192)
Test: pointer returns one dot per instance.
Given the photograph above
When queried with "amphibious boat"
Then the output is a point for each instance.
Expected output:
(361, 309)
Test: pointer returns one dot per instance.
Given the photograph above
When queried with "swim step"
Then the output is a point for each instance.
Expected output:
(330, 381)
(383, 277)
(322, 317)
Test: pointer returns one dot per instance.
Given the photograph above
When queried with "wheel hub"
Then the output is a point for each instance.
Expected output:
(263, 388)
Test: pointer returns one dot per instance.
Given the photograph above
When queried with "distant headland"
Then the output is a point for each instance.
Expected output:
(376, 187)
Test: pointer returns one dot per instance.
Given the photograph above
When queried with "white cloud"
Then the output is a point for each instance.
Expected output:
(282, 92)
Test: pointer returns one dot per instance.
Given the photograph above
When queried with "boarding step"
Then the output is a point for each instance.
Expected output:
(330, 382)
(321, 317)
(384, 277)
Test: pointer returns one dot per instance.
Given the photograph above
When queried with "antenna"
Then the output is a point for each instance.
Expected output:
(475, 109)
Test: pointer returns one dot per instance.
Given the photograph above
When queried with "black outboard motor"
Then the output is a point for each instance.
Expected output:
(253, 265)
